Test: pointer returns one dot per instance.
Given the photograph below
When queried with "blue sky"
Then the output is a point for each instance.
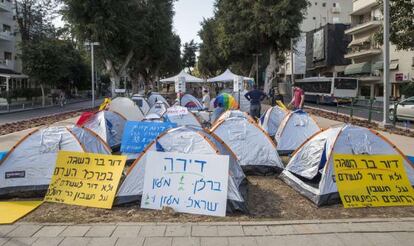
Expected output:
(188, 15)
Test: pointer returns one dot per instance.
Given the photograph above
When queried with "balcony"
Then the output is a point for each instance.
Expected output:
(355, 54)
(6, 35)
(363, 6)
(7, 64)
(364, 27)
(6, 6)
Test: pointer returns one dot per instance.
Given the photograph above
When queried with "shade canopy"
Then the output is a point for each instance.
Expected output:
(188, 78)
(227, 76)
(358, 68)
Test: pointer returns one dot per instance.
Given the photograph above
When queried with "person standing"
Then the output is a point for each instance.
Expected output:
(255, 97)
(206, 99)
(298, 98)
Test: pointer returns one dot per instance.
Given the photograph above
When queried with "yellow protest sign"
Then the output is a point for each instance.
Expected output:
(85, 179)
(12, 211)
(281, 104)
(105, 104)
(372, 181)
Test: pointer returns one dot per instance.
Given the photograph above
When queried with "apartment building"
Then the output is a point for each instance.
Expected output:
(10, 64)
(366, 53)
(319, 13)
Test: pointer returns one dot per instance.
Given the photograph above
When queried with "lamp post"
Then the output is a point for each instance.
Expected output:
(387, 84)
(92, 44)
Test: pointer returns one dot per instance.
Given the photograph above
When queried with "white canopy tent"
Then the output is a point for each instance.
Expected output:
(188, 78)
(227, 76)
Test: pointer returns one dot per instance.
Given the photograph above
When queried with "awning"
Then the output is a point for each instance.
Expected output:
(359, 41)
(227, 76)
(380, 65)
(14, 76)
(358, 68)
(188, 78)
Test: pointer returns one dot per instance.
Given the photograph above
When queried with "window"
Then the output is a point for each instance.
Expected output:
(314, 18)
(6, 28)
(346, 84)
(334, 5)
(7, 56)
(323, 4)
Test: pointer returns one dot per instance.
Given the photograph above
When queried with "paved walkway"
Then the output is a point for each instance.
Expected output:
(329, 232)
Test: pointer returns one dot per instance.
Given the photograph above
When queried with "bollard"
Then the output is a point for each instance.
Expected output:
(371, 102)
(352, 108)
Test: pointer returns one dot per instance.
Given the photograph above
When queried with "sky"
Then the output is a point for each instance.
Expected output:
(188, 15)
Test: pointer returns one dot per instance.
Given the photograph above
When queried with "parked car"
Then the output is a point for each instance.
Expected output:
(405, 110)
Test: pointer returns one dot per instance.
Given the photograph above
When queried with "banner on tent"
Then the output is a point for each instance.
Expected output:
(85, 179)
(137, 135)
(372, 181)
(190, 183)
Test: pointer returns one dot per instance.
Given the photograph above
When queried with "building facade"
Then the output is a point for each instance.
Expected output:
(366, 53)
(319, 13)
(10, 64)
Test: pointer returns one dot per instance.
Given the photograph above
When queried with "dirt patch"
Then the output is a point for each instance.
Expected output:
(359, 122)
(41, 121)
(268, 199)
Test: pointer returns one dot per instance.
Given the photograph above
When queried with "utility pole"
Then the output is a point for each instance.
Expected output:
(257, 67)
(92, 44)
(387, 84)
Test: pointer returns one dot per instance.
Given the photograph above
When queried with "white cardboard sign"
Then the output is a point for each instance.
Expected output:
(238, 83)
(180, 85)
(189, 183)
(177, 111)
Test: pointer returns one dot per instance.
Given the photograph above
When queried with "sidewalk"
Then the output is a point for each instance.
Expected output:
(262, 233)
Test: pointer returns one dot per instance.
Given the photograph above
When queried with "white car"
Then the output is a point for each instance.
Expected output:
(405, 110)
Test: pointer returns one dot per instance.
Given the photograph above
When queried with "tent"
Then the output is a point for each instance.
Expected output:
(156, 97)
(127, 108)
(190, 102)
(227, 76)
(253, 148)
(141, 102)
(29, 165)
(294, 130)
(271, 119)
(244, 103)
(153, 117)
(158, 108)
(108, 125)
(181, 116)
(188, 78)
(310, 170)
(187, 140)
(233, 113)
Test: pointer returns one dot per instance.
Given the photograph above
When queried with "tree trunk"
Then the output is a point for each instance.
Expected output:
(115, 76)
(43, 94)
(270, 71)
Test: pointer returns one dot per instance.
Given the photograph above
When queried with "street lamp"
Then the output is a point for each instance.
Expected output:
(92, 44)
(257, 67)
(387, 84)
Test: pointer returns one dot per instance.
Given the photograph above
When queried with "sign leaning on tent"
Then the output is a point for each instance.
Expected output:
(137, 135)
(372, 181)
(85, 179)
(190, 183)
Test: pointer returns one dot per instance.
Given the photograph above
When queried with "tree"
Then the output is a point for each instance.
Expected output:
(263, 26)
(116, 24)
(189, 54)
(401, 24)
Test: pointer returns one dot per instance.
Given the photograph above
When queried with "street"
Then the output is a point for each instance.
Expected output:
(40, 112)
(359, 111)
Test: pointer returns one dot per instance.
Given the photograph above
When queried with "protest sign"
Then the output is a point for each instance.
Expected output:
(177, 111)
(85, 179)
(190, 183)
(14, 210)
(137, 135)
(372, 181)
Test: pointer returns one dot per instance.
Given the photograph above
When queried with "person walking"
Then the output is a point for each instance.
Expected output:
(206, 99)
(255, 97)
(298, 98)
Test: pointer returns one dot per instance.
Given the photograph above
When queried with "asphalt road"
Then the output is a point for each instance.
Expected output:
(359, 111)
(36, 113)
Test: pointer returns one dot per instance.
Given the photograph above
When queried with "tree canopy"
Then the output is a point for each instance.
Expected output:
(189, 54)
(244, 27)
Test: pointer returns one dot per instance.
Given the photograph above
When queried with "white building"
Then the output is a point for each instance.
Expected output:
(319, 13)
(366, 53)
(10, 64)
